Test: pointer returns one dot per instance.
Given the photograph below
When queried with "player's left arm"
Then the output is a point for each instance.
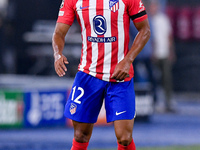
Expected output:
(122, 68)
(140, 40)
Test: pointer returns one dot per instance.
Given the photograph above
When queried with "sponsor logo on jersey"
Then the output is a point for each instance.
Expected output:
(72, 108)
(101, 39)
(100, 28)
(83, 7)
(114, 5)
(99, 23)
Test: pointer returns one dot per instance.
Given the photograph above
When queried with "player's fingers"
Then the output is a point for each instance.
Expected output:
(65, 60)
(114, 75)
(61, 69)
(63, 66)
(123, 76)
(117, 74)
(120, 76)
(58, 72)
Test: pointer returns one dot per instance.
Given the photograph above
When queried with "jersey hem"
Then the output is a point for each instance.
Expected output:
(108, 79)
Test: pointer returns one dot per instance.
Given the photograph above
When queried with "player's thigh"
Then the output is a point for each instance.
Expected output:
(124, 129)
(82, 131)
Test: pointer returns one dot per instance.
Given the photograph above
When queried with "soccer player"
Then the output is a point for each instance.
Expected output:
(105, 69)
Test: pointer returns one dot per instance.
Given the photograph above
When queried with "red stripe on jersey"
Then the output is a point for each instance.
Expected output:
(85, 15)
(100, 60)
(114, 32)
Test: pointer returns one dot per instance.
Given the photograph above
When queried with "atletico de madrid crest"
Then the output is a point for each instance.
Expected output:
(114, 5)
(72, 108)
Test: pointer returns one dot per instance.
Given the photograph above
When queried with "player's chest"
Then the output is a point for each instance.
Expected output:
(91, 8)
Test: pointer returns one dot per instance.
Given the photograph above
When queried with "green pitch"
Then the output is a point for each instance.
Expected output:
(165, 148)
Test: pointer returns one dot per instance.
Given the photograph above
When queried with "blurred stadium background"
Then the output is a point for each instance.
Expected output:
(32, 97)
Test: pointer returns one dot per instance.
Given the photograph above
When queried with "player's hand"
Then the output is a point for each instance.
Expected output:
(121, 70)
(59, 64)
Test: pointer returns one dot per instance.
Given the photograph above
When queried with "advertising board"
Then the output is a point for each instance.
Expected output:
(45, 108)
(11, 108)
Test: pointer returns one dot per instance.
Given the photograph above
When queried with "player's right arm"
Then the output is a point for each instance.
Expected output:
(58, 42)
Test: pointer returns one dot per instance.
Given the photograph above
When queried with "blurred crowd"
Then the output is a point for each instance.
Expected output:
(7, 39)
(154, 63)
(3, 6)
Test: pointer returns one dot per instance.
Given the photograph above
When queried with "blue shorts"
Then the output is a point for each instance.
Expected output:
(88, 93)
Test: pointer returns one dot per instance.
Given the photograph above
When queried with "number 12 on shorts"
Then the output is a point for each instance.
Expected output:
(76, 100)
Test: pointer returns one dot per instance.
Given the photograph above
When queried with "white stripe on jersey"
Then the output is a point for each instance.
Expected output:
(117, 6)
(121, 35)
(92, 14)
(107, 46)
(84, 36)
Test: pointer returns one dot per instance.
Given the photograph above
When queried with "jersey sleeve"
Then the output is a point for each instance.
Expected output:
(67, 12)
(136, 10)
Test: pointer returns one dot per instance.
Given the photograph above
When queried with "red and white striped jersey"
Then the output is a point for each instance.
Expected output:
(104, 30)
